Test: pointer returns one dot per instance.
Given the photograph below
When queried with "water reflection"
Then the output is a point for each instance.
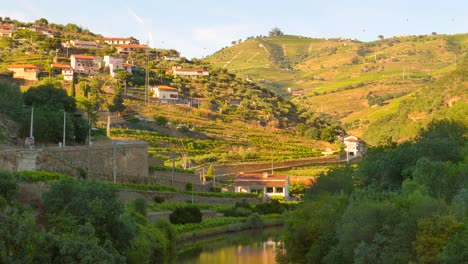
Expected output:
(253, 246)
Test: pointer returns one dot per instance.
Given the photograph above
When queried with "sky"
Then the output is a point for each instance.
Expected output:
(198, 28)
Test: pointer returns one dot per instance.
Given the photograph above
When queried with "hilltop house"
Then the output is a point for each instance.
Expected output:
(119, 41)
(24, 71)
(128, 48)
(354, 147)
(165, 94)
(7, 30)
(67, 70)
(188, 72)
(171, 58)
(268, 184)
(84, 64)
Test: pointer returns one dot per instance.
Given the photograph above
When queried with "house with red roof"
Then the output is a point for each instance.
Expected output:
(128, 48)
(24, 71)
(7, 30)
(165, 94)
(83, 64)
(67, 70)
(265, 183)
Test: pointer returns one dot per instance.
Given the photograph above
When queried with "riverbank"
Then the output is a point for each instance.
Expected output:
(191, 236)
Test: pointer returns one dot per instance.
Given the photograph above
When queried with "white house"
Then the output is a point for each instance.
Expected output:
(67, 70)
(353, 147)
(268, 184)
(116, 63)
(189, 72)
(165, 94)
(83, 64)
(118, 41)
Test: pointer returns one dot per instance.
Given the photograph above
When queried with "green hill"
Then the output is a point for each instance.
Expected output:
(345, 78)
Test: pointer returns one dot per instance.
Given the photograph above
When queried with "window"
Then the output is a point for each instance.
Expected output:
(279, 189)
(173, 96)
(269, 189)
(256, 191)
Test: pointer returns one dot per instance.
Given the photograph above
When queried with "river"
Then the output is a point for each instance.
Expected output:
(252, 246)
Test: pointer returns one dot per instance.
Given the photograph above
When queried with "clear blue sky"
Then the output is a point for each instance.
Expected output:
(198, 28)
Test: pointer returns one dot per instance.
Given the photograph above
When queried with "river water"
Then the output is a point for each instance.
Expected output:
(252, 246)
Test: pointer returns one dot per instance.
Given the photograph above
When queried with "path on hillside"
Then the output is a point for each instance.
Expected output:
(253, 56)
(284, 50)
(233, 58)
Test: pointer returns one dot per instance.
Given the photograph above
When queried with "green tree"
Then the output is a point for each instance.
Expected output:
(275, 32)
(209, 173)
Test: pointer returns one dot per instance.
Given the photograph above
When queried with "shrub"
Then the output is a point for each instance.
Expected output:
(7, 185)
(254, 221)
(273, 207)
(215, 189)
(185, 215)
(189, 186)
(158, 198)
(161, 120)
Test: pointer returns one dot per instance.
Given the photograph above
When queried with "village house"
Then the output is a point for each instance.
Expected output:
(295, 91)
(188, 72)
(24, 71)
(84, 64)
(354, 147)
(82, 44)
(128, 48)
(265, 183)
(67, 71)
(7, 30)
(116, 63)
(118, 41)
(165, 94)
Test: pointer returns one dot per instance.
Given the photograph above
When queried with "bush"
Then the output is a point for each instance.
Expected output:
(254, 221)
(189, 186)
(158, 198)
(215, 189)
(161, 120)
(186, 215)
(7, 185)
(273, 207)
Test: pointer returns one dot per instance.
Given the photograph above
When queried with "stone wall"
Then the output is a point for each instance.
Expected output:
(102, 162)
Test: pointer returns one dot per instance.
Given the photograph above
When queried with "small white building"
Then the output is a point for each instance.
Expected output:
(165, 94)
(67, 71)
(171, 58)
(354, 147)
(267, 184)
(116, 63)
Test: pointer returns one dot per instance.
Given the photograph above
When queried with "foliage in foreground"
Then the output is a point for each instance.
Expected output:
(404, 204)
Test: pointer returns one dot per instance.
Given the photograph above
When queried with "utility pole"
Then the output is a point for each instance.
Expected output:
(32, 123)
(108, 125)
(147, 79)
(64, 127)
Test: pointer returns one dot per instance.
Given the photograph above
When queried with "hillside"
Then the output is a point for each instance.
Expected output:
(345, 78)
(217, 118)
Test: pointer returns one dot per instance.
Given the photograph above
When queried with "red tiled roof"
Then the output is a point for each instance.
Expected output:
(189, 69)
(84, 57)
(24, 66)
(261, 183)
(62, 66)
(256, 176)
(259, 179)
(135, 46)
(166, 88)
(116, 38)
